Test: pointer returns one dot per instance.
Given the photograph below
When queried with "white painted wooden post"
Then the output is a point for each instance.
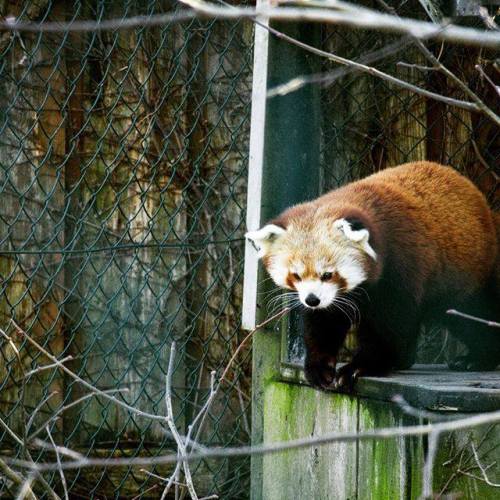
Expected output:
(256, 160)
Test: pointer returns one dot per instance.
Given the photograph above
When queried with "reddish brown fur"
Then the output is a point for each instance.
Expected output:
(437, 247)
(436, 220)
(339, 280)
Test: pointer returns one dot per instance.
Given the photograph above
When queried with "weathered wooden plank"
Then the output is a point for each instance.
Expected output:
(428, 387)
(387, 468)
(319, 472)
(394, 468)
(436, 388)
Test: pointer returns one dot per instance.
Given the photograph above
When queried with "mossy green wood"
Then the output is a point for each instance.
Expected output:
(319, 472)
(390, 468)
(368, 469)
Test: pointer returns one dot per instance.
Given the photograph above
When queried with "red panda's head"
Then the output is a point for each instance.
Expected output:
(317, 257)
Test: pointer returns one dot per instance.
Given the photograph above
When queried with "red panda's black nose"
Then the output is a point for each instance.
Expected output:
(312, 300)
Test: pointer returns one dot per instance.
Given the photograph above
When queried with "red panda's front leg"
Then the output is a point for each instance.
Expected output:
(385, 344)
(324, 334)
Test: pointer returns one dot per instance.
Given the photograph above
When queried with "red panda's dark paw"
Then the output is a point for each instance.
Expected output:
(346, 377)
(320, 370)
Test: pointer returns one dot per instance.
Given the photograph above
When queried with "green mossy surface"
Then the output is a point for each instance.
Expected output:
(364, 470)
(291, 412)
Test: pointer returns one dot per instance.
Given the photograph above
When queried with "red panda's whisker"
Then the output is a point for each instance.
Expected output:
(352, 306)
(285, 299)
(341, 305)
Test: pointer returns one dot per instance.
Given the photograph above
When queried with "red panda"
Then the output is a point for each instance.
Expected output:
(390, 252)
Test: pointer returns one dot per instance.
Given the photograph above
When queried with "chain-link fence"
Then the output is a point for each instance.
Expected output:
(123, 158)
(123, 163)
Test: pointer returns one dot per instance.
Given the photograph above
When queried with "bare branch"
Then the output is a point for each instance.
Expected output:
(332, 437)
(483, 469)
(331, 11)
(58, 459)
(12, 434)
(48, 367)
(17, 479)
(470, 106)
(181, 446)
(454, 312)
(25, 490)
(86, 384)
(61, 449)
(480, 104)
(438, 65)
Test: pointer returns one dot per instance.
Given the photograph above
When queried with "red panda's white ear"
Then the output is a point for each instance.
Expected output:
(264, 237)
(359, 236)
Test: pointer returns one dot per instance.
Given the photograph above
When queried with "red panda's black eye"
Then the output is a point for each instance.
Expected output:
(296, 276)
(326, 276)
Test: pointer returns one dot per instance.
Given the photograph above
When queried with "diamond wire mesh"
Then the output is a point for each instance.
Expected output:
(123, 161)
(123, 164)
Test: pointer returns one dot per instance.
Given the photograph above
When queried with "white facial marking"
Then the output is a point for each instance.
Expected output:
(352, 271)
(278, 270)
(361, 236)
(322, 267)
(263, 237)
(298, 268)
(325, 292)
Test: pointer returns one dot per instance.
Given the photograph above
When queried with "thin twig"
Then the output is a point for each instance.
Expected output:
(250, 334)
(83, 382)
(488, 79)
(416, 412)
(48, 367)
(58, 459)
(350, 15)
(37, 409)
(483, 469)
(454, 312)
(148, 490)
(58, 412)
